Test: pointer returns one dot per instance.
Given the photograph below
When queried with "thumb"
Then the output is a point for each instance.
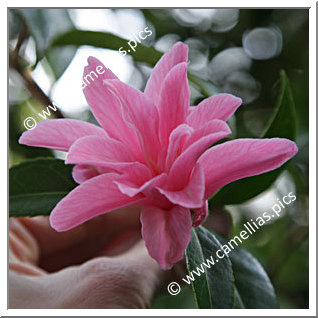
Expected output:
(125, 281)
(130, 279)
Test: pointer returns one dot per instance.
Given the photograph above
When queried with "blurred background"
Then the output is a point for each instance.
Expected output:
(231, 50)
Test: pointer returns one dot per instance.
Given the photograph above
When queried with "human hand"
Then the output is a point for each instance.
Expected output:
(100, 264)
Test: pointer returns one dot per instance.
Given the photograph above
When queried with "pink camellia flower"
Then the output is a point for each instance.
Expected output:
(153, 151)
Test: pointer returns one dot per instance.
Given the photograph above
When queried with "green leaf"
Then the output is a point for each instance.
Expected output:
(108, 41)
(283, 121)
(183, 300)
(164, 23)
(60, 58)
(214, 288)
(253, 287)
(44, 25)
(142, 53)
(251, 280)
(17, 114)
(15, 22)
(238, 303)
(206, 88)
(37, 185)
(235, 281)
(283, 125)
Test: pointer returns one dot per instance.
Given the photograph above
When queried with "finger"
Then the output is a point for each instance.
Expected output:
(139, 256)
(22, 245)
(80, 253)
(89, 236)
(120, 244)
(24, 268)
(133, 275)
(126, 281)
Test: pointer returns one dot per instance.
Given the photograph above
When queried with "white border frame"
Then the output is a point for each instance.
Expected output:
(312, 162)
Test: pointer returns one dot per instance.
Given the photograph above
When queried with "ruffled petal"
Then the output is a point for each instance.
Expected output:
(208, 128)
(141, 114)
(96, 196)
(182, 167)
(176, 141)
(110, 154)
(177, 54)
(167, 233)
(106, 108)
(243, 158)
(220, 106)
(192, 195)
(131, 188)
(174, 101)
(97, 151)
(82, 173)
(103, 72)
(59, 134)
(200, 214)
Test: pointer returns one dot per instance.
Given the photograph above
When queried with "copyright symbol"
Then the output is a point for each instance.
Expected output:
(174, 288)
(29, 123)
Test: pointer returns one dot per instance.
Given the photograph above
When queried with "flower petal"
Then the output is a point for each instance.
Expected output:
(176, 139)
(173, 102)
(167, 233)
(200, 214)
(59, 134)
(177, 54)
(182, 167)
(106, 153)
(82, 173)
(131, 189)
(141, 114)
(208, 128)
(106, 109)
(97, 151)
(93, 63)
(220, 106)
(96, 196)
(192, 195)
(243, 158)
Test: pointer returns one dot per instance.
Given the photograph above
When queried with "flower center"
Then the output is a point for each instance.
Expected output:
(154, 166)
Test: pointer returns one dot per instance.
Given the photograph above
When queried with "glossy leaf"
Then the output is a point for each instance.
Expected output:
(253, 287)
(238, 303)
(108, 41)
(205, 87)
(44, 25)
(214, 288)
(37, 185)
(15, 22)
(60, 58)
(235, 281)
(282, 124)
(142, 52)
(17, 112)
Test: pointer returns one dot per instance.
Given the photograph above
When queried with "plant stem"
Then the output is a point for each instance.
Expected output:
(31, 85)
